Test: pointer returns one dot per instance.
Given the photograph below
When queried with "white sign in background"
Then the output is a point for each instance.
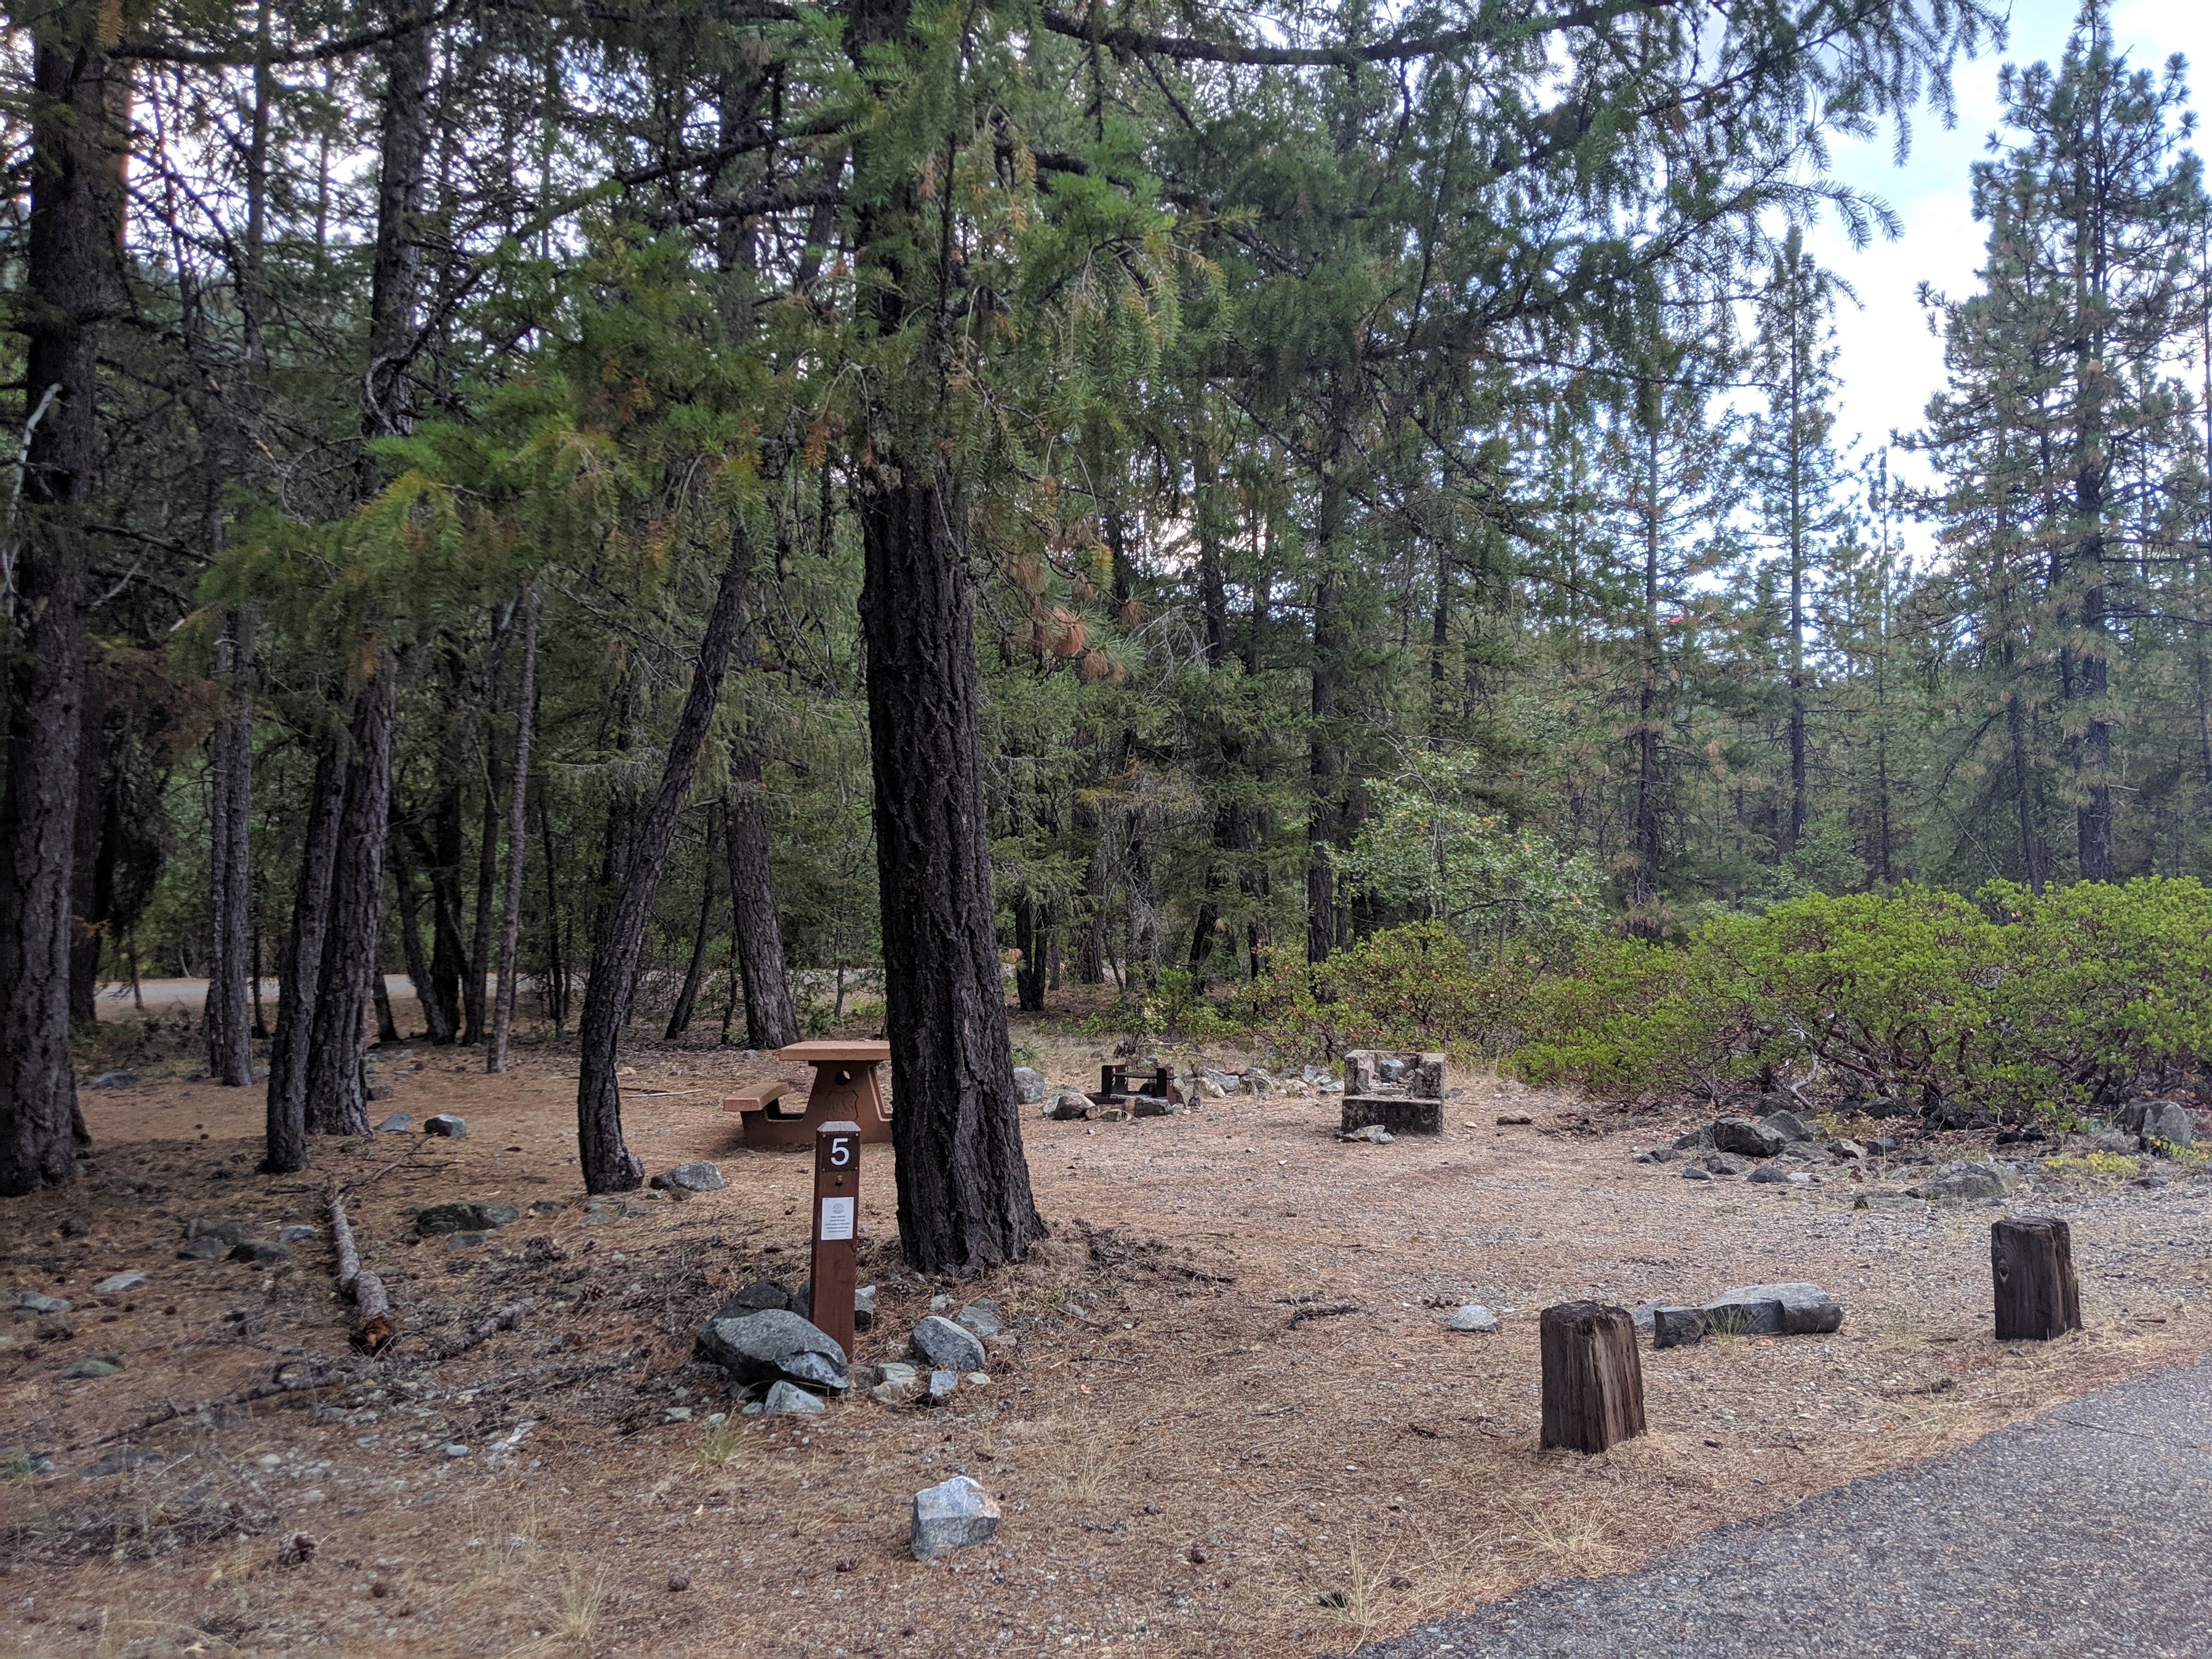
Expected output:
(837, 1219)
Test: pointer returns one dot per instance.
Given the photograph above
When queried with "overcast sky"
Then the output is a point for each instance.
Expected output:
(1889, 362)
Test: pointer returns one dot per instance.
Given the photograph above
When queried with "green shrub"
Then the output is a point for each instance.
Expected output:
(1618, 1021)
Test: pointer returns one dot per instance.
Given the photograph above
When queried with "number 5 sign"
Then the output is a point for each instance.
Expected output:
(836, 1216)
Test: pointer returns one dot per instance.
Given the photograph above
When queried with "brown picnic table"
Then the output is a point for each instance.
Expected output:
(845, 1085)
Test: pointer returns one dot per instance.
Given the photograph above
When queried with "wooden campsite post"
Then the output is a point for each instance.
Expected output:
(2032, 1260)
(1593, 1380)
(836, 1219)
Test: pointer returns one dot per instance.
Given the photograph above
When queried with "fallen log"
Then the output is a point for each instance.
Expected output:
(374, 1327)
(504, 1319)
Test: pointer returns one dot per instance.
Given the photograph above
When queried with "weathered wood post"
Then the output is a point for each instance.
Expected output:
(837, 1217)
(1593, 1380)
(2032, 1260)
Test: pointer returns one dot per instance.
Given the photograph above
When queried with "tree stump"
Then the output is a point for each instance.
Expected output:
(2032, 1260)
(1593, 1381)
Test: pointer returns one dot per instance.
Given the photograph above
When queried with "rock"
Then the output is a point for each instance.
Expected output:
(686, 1179)
(1258, 1082)
(1697, 1141)
(1068, 1106)
(1788, 1125)
(1202, 1085)
(1848, 1151)
(378, 1091)
(789, 1400)
(1673, 1328)
(951, 1516)
(397, 1124)
(980, 1318)
(1882, 1145)
(203, 1249)
(261, 1252)
(465, 1241)
(1692, 1172)
(947, 1345)
(943, 1384)
(1146, 1106)
(445, 1124)
(894, 1393)
(1774, 1310)
(116, 1284)
(678, 1581)
(2160, 1121)
(1663, 1155)
(1472, 1317)
(98, 1365)
(1745, 1139)
(127, 1457)
(1390, 1069)
(1888, 1201)
(1332, 1087)
(228, 1229)
(942, 1303)
(297, 1232)
(897, 1371)
(1728, 1163)
(1774, 1174)
(1310, 1074)
(477, 1216)
(760, 1294)
(1114, 1114)
(113, 1081)
(1028, 1085)
(1640, 1314)
(1374, 1133)
(864, 1307)
(771, 1345)
(1965, 1180)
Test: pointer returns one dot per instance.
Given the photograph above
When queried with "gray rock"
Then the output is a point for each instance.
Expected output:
(113, 1081)
(1789, 1126)
(397, 1124)
(477, 1216)
(1673, 1328)
(1745, 1139)
(1663, 1154)
(947, 1345)
(445, 1124)
(894, 1393)
(1640, 1314)
(1390, 1069)
(1954, 1115)
(116, 1462)
(789, 1400)
(1774, 1310)
(1692, 1172)
(772, 1345)
(943, 1384)
(203, 1249)
(116, 1284)
(31, 1302)
(1373, 1134)
(2161, 1120)
(465, 1241)
(1965, 1180)
(697, 1176)
(864, 1307)
(1697, 1141)
(1146, 1106)
(951, 1516)
(1258, 1081)
(1848, 1151)
(1472, 1317)
(297, 1232)
(261, 1252)
(1028, 1085)
(1728, 1163)
(897, 1371)
(1773, 1175)
(1068, 1106)
(760, 1295)
(1331, 1087)
(979, 1319)
(227, 1229)
(1888, 1201)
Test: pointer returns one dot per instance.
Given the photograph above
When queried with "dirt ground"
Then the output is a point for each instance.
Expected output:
(1234, 1422)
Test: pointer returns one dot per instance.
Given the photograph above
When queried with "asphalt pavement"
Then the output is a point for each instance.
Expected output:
(2085, 1532)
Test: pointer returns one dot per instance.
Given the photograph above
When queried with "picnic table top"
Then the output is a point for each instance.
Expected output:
(831, 1053)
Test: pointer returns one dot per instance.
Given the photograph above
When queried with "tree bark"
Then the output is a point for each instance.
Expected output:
(695, 971)
(337, 1101)
(448, 960)
(437, 1022)
(518, 837)
(475, 1019)
(91, 883)
(608, 1165)
(1593, 1381)
(770, 1019)
(68, 279)
(298, 968)
(229, 1023)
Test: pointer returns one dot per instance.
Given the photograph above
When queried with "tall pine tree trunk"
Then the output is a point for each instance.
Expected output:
(608, 1165)
(336, 1103)
(300, 966)
(695, 971)
(770, 1020)
(67, 279)
(518, 837)
(229, 1021)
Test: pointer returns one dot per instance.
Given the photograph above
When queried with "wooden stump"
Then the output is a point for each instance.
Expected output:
(1593, 1381)
(2032, 1260)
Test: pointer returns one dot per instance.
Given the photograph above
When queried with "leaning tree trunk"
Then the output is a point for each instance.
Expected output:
(229, 1020)
(67, 279)
(695, 971)
(517, 838)
(300, 966)
(609, 1165)
(337, 1101)
(770, 1020)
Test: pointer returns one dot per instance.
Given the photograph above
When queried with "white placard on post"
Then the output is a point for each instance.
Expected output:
(837, 1219)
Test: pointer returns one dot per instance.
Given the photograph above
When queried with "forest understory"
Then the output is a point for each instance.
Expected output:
(1233, 1421)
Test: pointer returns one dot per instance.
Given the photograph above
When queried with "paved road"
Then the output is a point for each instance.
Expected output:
(2086, 1532)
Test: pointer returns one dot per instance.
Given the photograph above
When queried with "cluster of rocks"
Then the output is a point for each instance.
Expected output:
(765, 1347)
(213, 1238)
(2156, 1124)
(1780, 1147)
